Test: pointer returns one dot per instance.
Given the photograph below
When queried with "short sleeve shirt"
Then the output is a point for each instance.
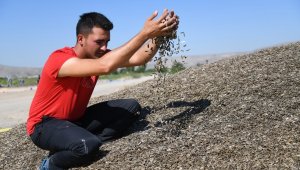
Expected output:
(64, 98)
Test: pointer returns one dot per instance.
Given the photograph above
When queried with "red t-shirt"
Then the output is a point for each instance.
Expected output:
(63, 98)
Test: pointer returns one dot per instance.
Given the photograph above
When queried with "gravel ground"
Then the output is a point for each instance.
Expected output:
(237, 113)
(21, 97)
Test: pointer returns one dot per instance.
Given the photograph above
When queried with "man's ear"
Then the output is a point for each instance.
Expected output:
(80, 39)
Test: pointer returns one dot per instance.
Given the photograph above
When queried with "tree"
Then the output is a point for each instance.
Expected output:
(199, 64)
(130, 69)
(141, 69)
(177, 66)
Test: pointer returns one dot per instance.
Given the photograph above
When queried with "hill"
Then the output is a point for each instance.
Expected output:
(18, 71)
(194, 60)
(238, 113)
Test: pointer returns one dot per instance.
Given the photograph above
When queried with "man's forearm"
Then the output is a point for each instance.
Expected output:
(117, 57)
(148, 51)
(143, 54)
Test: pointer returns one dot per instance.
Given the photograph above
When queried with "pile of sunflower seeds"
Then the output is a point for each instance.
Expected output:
(238, 113)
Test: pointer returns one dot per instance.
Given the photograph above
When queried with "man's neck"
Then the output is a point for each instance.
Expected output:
(79, 51)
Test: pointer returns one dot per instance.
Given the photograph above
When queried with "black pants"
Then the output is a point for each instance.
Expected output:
(73, 144)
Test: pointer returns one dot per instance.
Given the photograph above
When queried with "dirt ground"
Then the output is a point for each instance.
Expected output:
(15, 102)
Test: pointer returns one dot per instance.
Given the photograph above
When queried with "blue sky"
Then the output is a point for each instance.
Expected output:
(30, 30)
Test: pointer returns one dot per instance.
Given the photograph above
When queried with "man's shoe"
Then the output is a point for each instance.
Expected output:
(45, 164)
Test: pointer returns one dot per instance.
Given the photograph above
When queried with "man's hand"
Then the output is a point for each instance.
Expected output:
(164, 25)
(171, 30)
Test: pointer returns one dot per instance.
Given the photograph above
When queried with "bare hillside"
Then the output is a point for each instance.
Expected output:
(18, 71)
(238, 113)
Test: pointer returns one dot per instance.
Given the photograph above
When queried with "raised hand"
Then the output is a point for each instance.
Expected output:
(164, 25)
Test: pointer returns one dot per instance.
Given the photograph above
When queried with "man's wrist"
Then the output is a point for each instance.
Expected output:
(144, 34)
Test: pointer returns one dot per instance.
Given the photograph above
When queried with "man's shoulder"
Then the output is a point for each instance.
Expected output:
(64, 51)
(58, 57)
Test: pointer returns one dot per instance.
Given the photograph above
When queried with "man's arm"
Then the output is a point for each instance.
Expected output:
(76, 67)
(143, 55)
(148, 50)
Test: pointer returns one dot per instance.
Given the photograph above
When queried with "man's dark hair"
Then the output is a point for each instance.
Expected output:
(89, 20)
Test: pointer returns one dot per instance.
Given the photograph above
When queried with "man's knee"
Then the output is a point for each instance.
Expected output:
(130, 105)
(133, 106)
(87, 146)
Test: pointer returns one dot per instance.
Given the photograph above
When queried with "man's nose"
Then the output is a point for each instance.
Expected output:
(103, 47)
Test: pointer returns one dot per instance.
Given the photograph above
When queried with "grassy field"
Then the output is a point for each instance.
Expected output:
(18, 82)
(126, 74)
(32, 81)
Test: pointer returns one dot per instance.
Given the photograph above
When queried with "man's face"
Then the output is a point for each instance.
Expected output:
(95, 44)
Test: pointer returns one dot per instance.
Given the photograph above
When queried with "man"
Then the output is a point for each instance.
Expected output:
(59, 120)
